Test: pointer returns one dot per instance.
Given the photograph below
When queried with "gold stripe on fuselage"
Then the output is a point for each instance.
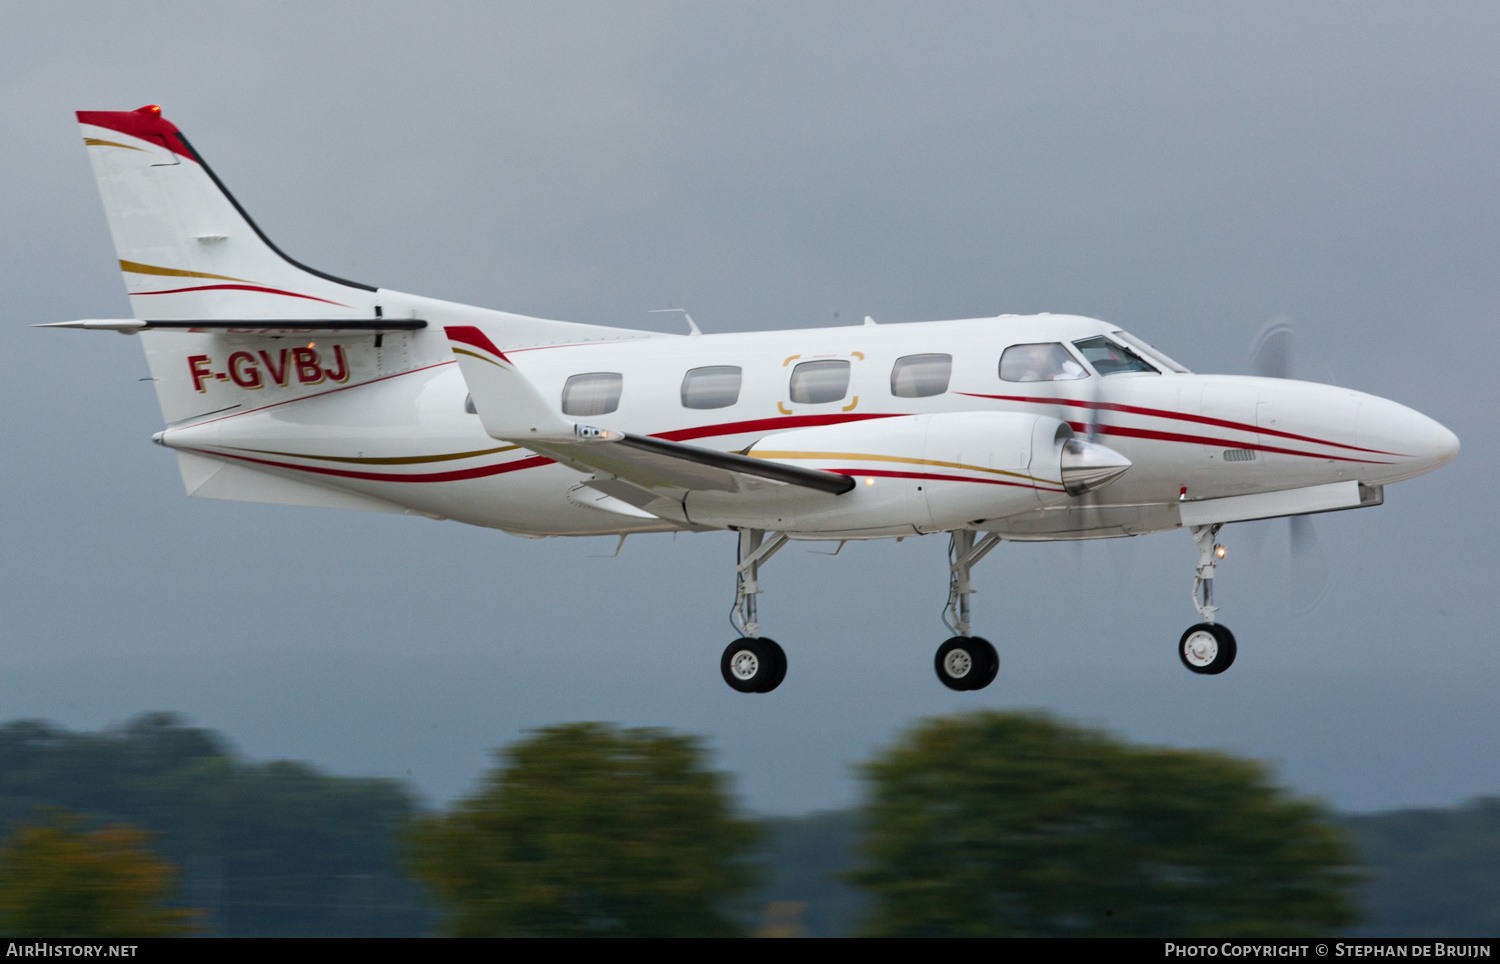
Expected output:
(862, 457)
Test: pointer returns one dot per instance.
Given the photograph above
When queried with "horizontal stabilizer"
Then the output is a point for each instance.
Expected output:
(248, 326)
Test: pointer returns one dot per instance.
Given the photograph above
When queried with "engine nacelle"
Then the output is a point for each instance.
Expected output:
(917, 473)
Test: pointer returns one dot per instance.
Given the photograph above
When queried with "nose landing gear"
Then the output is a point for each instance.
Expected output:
(965, 662)
(1207, 647)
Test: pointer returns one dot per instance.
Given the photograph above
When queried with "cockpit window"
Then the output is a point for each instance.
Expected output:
(1152, 353)
(1040, 363)
(1111, 358)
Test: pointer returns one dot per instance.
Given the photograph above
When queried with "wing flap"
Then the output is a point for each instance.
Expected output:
(674, 469)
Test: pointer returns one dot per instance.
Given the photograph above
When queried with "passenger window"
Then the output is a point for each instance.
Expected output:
(917, 376)
(717, 386)
(1112, 358)
(815, 382)
(594, 393)
(1039, 363)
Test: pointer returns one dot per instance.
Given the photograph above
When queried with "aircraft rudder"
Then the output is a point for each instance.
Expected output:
(186, 247)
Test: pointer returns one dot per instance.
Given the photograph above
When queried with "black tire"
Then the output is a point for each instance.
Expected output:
(1207, 648)
(775, 679)
(752, 665)
(966, 663)
(992, 663)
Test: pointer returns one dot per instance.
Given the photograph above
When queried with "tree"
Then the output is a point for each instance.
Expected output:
(57, 880)
(586, 829)
(1015, 824)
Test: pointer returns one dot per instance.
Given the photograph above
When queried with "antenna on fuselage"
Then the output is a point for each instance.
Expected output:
(869, 322)
(692, 326)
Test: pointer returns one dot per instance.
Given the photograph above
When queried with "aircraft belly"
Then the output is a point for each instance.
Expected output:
(1088, 522)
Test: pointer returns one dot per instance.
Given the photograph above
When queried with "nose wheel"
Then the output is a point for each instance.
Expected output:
(966, 663)
(1207, 648)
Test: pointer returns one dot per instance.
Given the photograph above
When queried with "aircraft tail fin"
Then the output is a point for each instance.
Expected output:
(187, 249)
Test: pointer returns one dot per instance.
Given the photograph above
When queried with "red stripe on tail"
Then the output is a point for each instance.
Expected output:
(145, 123)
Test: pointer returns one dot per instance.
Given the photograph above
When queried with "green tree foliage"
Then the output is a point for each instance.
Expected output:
(586, 829)
(1011, 824)
(267, 849)
(59, 880)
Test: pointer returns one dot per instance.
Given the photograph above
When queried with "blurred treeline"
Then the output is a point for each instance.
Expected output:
(263, 848)
(1017, 822)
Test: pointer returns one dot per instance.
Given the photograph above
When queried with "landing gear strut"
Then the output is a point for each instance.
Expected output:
(1207, 647)
(965, 661)
(752, 663)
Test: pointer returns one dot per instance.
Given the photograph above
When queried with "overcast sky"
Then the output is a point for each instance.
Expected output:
(1185, 170)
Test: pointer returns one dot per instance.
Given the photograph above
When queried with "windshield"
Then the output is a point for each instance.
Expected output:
(1152, 353)
(1110, 358)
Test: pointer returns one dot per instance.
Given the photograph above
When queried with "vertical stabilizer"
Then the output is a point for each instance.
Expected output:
(186, 247)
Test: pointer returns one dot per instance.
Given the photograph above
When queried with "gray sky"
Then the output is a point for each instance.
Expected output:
(1186, 170)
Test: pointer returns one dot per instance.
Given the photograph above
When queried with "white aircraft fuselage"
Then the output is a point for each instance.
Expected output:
(406, 438)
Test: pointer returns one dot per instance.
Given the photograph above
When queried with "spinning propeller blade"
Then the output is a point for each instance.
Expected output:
(1271, 357)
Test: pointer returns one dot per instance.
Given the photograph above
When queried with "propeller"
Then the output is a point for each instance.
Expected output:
(1271, 357)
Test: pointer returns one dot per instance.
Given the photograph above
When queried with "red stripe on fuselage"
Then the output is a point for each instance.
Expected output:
(1153, 435)
(454, 475)
(766, 425)
(1177, 416)
(458, 475)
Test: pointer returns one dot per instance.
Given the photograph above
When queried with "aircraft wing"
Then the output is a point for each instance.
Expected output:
(640, 470)
(655, 464)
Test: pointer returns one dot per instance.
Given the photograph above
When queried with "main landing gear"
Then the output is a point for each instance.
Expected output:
(752, 663)
(1207, 647)
(965, 661)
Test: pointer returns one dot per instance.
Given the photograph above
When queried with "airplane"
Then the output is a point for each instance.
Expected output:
(284, 384)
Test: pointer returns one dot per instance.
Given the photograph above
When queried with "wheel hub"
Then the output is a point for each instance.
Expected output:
(1201, 648)
(744, 665)
(958, 664)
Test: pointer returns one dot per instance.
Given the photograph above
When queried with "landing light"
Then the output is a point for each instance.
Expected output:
(869, 481)
(1220, 552)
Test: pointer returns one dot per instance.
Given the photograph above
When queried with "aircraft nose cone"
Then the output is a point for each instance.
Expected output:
(1420, 444)
(1088, 465)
